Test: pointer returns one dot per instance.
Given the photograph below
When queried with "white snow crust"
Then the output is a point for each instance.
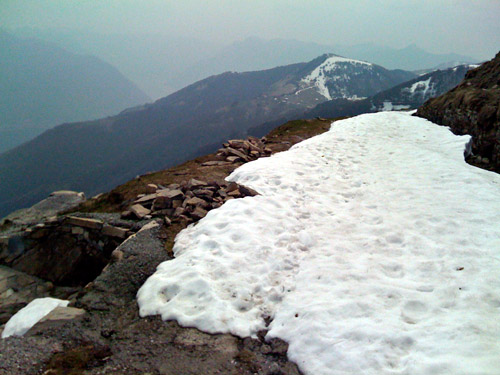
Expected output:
(374, 248)
(421, 86)
(319, 76)
(29, 315)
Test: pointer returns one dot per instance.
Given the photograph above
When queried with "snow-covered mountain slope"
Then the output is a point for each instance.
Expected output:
(417, 91)
(373, 249)
(407, 95)
(334, 77)
(334, 74)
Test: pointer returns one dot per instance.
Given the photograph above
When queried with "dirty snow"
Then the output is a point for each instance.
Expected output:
(32, 313)
(374, 248)
(319, 76)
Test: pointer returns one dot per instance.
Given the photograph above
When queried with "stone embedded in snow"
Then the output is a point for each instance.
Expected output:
(234, 193)
(31, 314)
(373, 248)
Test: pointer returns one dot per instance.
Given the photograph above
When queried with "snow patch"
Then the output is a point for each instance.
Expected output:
(32, 313)
(319, 76)
(421, 86)
(374, 248)
(388, 106)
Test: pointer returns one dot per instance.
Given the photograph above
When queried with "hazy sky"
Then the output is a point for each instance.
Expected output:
(469, 27)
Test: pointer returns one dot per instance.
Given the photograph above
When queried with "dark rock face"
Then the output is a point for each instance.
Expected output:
(65, 250)
(473, 107)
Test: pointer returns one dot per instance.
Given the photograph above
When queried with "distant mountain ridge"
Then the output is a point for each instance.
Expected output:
(407, 95)
(97, 155)
(254, 53)
(43, 85)
(163, 64)
(410, 57)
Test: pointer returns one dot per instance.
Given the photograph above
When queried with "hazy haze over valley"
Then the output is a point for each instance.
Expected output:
(164, 45)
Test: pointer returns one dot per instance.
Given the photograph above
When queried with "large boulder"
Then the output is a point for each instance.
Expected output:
(56, 203)
(473, 107)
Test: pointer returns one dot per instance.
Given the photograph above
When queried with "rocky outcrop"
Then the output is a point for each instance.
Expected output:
(56, 203)
(473, 107)
(67, 250)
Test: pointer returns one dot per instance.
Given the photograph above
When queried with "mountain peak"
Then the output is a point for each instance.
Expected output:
(333, 68)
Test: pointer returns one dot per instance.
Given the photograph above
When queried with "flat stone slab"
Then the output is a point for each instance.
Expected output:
(170, 194)
(146, 198)
(214, 163)
(109, 230)
(84, 222)
(63, 313)
(195, 201)
(139, 211)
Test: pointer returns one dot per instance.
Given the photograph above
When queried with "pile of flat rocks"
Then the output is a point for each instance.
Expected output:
(190, 201)
(241, 151)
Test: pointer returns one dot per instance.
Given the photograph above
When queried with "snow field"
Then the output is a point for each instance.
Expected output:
(29, 315)
(374, 248)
